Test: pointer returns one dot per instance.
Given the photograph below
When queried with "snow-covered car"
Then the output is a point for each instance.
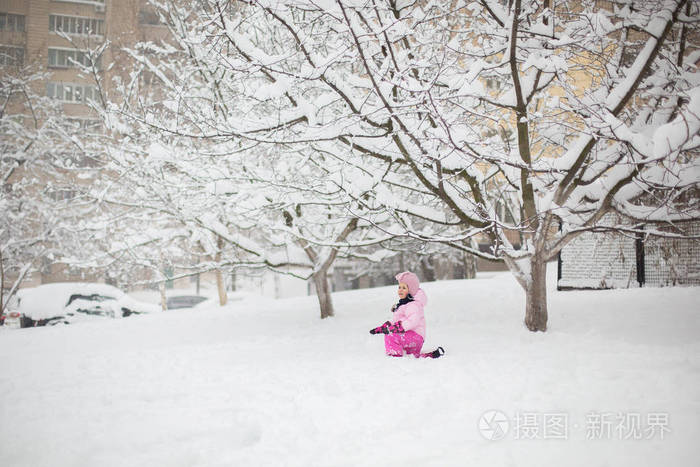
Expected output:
(68, 302)
(184, 301)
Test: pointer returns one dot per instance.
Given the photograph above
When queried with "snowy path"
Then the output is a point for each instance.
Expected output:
(255, 385)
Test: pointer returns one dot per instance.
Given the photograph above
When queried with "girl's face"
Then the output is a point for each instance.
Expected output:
(403, 290)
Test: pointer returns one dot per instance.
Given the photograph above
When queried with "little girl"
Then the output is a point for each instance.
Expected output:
(407, 332)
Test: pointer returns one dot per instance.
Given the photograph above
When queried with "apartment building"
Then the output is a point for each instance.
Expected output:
(52, 36)
(32, 33)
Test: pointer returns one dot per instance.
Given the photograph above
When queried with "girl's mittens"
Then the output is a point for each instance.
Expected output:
(383, 329)
(396, 328)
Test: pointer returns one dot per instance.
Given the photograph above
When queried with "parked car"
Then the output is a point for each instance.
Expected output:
(184, 301)
(68, 302)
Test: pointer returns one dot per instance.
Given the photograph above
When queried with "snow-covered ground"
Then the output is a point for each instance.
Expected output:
(266, 382)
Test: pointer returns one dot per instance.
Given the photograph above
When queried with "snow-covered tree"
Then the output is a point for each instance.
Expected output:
(245, 205)
(223, 207)
(39, 161)
(518, 119)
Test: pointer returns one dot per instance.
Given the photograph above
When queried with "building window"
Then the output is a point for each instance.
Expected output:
(69, 58)
(71, 92)
(11, 56)
(62, 195)
(148, 16)
(76, 25)
(86, 124)
(10, 22)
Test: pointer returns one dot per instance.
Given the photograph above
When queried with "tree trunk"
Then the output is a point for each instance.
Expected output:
(536, 296)
(223, 298)
(469, 266)
(2, 285)
(323, 292)
(428, 269)
(222, 287)
(163, 299)
(161, 284)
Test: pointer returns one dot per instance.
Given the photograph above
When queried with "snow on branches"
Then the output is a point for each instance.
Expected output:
(519, 124)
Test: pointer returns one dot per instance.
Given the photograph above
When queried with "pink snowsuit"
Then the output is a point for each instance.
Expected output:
(413, 322)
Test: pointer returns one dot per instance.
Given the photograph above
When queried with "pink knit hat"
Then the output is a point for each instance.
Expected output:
(410, 279)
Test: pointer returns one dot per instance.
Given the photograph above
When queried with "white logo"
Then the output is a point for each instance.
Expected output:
(493, 425)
